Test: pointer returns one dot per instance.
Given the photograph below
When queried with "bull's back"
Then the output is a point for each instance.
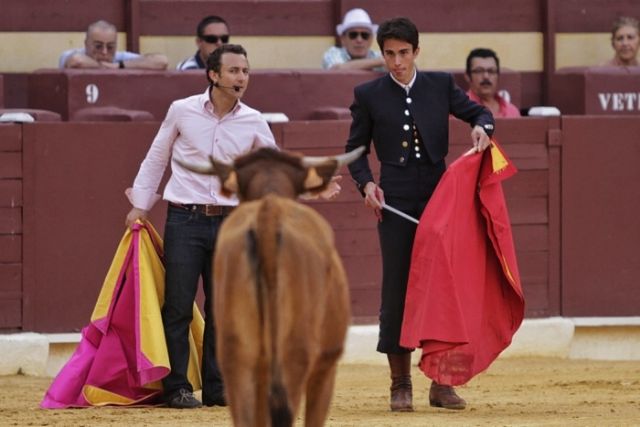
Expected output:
(312, 285)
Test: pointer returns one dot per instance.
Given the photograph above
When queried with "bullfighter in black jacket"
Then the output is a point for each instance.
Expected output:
(406, 115)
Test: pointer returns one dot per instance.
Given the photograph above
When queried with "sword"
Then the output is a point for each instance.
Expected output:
(400, 213)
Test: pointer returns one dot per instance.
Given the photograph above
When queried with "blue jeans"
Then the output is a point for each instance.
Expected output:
(189, 243)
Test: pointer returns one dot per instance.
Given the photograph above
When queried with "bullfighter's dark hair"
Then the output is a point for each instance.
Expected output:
(398, 28)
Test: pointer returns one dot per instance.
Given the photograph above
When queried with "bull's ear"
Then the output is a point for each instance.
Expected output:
(230, 184)
(312, 180)
(318, 177)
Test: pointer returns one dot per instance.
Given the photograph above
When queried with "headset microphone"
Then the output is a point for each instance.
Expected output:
(236, 88)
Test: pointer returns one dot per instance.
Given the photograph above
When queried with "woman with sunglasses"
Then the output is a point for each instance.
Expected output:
(356, 36)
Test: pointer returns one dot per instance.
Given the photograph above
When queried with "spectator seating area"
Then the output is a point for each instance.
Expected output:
(532, 37)
(299, 94)
(83, 95)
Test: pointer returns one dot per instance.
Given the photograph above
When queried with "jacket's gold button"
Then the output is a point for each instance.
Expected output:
(401, 159)
(405, 144)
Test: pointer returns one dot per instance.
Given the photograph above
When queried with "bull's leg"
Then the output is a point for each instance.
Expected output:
(295, 371)
(320, 389)
(241, 397)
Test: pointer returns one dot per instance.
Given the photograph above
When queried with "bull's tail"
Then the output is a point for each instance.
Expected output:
(265, 248)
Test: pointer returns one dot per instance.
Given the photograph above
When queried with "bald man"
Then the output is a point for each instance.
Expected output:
(100, 51)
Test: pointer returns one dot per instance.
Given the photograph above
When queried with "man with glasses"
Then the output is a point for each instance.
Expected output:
(101, 51)
(482, 74)
(211, 33)
(356, 36)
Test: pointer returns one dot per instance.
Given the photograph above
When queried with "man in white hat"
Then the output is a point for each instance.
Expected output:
(356, 36)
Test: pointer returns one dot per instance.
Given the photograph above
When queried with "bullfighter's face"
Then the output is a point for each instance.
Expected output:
(233, 77)
(400, 59)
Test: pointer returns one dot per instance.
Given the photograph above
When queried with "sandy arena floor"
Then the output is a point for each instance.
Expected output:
(513, 392)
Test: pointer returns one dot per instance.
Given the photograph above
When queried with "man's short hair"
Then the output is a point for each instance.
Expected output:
(211, 19)
(102, 24)
(400, 29)
(214, 61)
(481, 52)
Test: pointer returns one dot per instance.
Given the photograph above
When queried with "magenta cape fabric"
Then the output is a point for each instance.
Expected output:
(464, 300)
(122, 353)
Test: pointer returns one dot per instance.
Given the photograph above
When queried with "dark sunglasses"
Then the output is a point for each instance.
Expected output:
(354, 34)
(214, 39)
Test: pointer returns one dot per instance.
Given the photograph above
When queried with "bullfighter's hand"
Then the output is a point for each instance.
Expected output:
(333, 188)
(134, 215)
(480, 139)
(373, 198)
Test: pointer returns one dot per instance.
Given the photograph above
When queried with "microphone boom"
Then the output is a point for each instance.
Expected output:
(236, 88)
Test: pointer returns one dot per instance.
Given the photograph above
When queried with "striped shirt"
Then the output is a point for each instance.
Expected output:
(191, 63)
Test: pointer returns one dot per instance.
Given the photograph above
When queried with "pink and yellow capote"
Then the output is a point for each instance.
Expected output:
(122, 354)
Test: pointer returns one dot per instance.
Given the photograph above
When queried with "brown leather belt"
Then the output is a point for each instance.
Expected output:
(207, 210)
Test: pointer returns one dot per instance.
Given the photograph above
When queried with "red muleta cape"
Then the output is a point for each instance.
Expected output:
(464, 300)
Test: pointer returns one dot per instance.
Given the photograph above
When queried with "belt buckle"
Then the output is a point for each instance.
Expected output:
(211, 210)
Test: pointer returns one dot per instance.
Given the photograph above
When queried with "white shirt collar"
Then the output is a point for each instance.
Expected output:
(406, 87)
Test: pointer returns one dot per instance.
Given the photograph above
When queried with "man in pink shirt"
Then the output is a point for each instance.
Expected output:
(213, 123)
(482, 74)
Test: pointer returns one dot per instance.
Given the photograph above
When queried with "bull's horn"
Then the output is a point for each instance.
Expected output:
(205, 169)
(342, 159)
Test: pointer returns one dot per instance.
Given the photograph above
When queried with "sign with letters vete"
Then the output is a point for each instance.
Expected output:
(597, 91)
(619, 101)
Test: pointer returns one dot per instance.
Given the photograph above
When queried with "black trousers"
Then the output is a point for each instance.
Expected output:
(407, 189)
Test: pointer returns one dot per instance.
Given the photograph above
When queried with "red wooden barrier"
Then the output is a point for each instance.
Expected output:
(69, 181)
(600, 205)
(74, 210)
(597, 91)
(10, 226)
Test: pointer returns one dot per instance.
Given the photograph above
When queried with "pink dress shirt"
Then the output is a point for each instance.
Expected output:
(507, 109)
(192, 132)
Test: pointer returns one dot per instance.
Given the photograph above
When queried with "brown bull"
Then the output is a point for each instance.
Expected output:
(281, 299)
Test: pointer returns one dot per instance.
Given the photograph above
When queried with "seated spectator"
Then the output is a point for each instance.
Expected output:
(482, 74)
(356, 36)
(625, 40)
(211, 33)
(100, 51)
